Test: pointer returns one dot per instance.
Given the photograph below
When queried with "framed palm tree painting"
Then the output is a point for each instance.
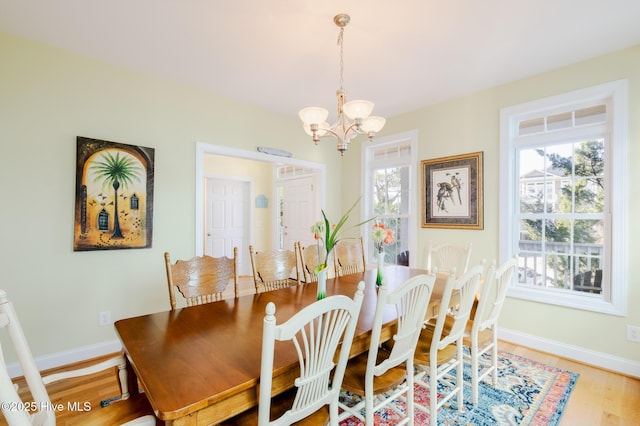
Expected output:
(114, 195)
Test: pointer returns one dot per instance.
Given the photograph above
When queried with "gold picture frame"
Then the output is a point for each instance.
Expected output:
(452, 193)
(114, 195)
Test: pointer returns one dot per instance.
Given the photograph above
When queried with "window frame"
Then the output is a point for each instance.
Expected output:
(368, 164)
(614, 94)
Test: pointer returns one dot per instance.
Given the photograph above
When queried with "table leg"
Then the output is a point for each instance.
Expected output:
(132, 379)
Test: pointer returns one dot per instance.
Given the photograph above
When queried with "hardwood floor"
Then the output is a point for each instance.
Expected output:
(76, 393)
(600, 397)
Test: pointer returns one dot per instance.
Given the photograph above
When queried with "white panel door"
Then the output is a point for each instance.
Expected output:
(226, 223)
(298, 211)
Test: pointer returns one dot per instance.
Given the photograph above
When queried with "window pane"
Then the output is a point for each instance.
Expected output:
(559, 121)
(530, 230)
(596, 114)
(557, 231)
(390, 191)
(532, 180)
(529, 127)
(589, 196)
(590, 158)
(400, 227)
(588, 232)
(559, 172)
(530, 268)
(558, 271)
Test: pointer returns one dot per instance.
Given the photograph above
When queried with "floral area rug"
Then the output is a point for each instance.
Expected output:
(528, 393)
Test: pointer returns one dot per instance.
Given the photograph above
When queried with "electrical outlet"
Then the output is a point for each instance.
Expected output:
(105, 318)
(633, 333)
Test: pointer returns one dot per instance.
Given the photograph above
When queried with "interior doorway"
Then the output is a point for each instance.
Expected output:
(258, 223)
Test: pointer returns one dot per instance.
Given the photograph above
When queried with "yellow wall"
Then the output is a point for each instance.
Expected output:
(49, 96)
(470, 124)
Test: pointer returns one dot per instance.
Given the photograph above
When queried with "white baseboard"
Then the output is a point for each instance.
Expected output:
(68, 357)
(597, 359)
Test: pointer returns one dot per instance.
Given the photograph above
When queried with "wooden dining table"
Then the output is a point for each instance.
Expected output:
(201, 364)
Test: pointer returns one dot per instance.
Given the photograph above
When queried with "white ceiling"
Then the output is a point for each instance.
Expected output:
(283, 55)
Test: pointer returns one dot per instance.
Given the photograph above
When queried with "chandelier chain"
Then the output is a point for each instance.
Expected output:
(341, 44)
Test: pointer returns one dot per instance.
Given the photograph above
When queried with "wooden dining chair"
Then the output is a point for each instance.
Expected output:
(129, 410)
(439, 349)
(201, 279)
(309, 258)
(481, 334)
(349, 257)
(445, 257)
(321, 334)
(380, 376)
(274, 269)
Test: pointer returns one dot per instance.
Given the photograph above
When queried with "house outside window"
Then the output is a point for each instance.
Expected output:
(388, 188)
(563, 180)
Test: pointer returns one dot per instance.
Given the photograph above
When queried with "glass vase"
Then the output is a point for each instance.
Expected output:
(322, 283)
(380, 266)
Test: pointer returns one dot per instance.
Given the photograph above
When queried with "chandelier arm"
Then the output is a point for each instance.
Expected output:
(329, 132)
(355, 125)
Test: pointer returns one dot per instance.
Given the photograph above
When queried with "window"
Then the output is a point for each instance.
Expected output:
(563, 175)
(389, 176)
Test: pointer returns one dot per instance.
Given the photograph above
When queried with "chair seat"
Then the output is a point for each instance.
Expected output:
(279, 405)
(485, 337)
(424, 348)
(116, 413)
(354, 377)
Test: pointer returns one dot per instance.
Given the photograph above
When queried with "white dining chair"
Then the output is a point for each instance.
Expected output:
(380, 376)
(129, 410)
(318, 332)
(439, 350)
(445, 257)
(481, 334)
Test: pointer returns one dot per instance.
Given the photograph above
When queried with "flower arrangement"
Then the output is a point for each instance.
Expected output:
(382, 236)
(329, 235)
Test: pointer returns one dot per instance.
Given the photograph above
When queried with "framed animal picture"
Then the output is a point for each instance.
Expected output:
(452, 192)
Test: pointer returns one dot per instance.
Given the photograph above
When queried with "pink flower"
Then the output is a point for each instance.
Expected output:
(382, 235)
(389, 238)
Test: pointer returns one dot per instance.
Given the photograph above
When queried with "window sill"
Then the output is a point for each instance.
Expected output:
(569, 299)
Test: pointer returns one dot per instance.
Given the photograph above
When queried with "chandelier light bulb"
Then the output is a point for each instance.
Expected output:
(357, 109)
(313, 115)
(372, 124)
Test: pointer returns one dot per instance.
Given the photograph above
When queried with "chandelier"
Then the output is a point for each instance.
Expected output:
(353, 117)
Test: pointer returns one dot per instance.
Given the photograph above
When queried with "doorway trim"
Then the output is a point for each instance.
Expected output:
(204, 148)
